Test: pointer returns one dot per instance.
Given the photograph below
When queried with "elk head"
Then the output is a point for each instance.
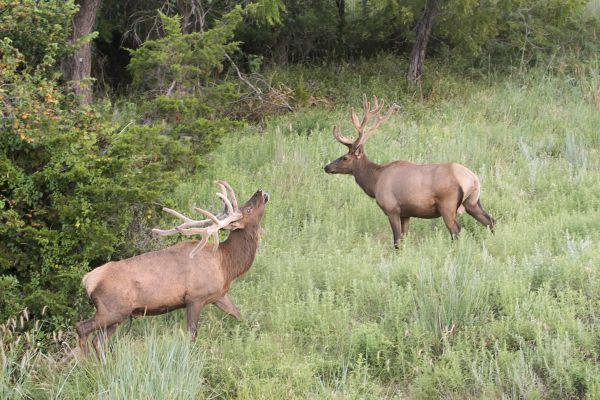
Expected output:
(346, 163)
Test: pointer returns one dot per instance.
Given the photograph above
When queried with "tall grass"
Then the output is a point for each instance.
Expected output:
(331, 310)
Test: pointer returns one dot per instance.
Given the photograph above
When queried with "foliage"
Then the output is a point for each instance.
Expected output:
(180, 72)
(69, 186)
(184, 62)
(517, 27)
(20, 352)
(314, 29)
(37, 28)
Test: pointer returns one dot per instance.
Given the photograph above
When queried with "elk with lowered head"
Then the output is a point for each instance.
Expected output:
(403, 189)
(187, 275)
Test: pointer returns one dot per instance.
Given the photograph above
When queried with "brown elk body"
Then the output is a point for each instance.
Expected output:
(404, 190)
(187, 275)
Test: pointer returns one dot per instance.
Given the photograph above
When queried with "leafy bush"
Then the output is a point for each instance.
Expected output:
(68, 185)
(182, 62)
(179, 76)
(36, 26)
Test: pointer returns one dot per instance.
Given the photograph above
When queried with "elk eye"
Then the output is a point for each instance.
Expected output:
(248, 210)
(345, 158)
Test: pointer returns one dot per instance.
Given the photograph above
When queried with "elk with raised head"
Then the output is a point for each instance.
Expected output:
(189, 274)
(403, 189)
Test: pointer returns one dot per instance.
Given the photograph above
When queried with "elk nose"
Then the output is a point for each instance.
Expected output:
(266, 196)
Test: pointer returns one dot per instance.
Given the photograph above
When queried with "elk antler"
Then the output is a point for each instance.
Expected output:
(207, 227)
(363, 131)
(337, 134)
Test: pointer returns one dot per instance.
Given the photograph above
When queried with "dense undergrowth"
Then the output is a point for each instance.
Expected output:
(331, 310)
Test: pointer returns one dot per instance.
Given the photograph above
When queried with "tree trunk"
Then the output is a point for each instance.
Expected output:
(341, 10)
(184, 10)
(423, 30)
(78, 68)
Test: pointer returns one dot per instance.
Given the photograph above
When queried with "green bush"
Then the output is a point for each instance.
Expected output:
(37, 27)
(69, 186)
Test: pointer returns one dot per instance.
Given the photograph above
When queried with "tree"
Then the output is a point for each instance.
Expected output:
(423, 31)
(529, 28)
(77, 68)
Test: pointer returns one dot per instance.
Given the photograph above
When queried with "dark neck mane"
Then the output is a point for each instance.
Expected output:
(366, 174)
(238, 251)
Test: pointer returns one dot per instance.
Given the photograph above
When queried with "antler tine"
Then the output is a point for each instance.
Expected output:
(187, 223)
(366, 105)
(200, 245)
(360, 126)
(378, 105)
(381, 119)
(354, 118)
(208, 214)
(337, 134)
(225, 200)
(228, 191)
(208, 227)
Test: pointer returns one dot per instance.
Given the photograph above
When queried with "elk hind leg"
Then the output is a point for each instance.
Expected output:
(449, 216)
(98, 321)
(193, 313)
(84, 328)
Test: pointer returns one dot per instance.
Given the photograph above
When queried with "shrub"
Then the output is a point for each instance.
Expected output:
(68, 185)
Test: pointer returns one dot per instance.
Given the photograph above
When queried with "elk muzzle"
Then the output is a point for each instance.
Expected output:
(342, 165)
(259, 196)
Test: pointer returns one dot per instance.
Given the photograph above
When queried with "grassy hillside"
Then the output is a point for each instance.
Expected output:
(331, 310)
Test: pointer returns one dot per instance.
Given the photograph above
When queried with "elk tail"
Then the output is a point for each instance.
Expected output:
(469, 194)
(461, 199)
(472, 197)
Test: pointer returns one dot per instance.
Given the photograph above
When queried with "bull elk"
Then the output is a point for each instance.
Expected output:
(403, 189)
(189, 274)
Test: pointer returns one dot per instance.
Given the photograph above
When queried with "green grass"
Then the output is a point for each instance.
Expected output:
(331, 310)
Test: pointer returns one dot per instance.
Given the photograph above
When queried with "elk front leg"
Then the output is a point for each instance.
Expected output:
(193, 313)
(225, 304)
(396, 224)
(404, 222)
(449, 217)
(100, 339)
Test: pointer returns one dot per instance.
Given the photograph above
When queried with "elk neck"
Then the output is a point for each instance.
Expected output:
(238, 251)
(366, 173)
